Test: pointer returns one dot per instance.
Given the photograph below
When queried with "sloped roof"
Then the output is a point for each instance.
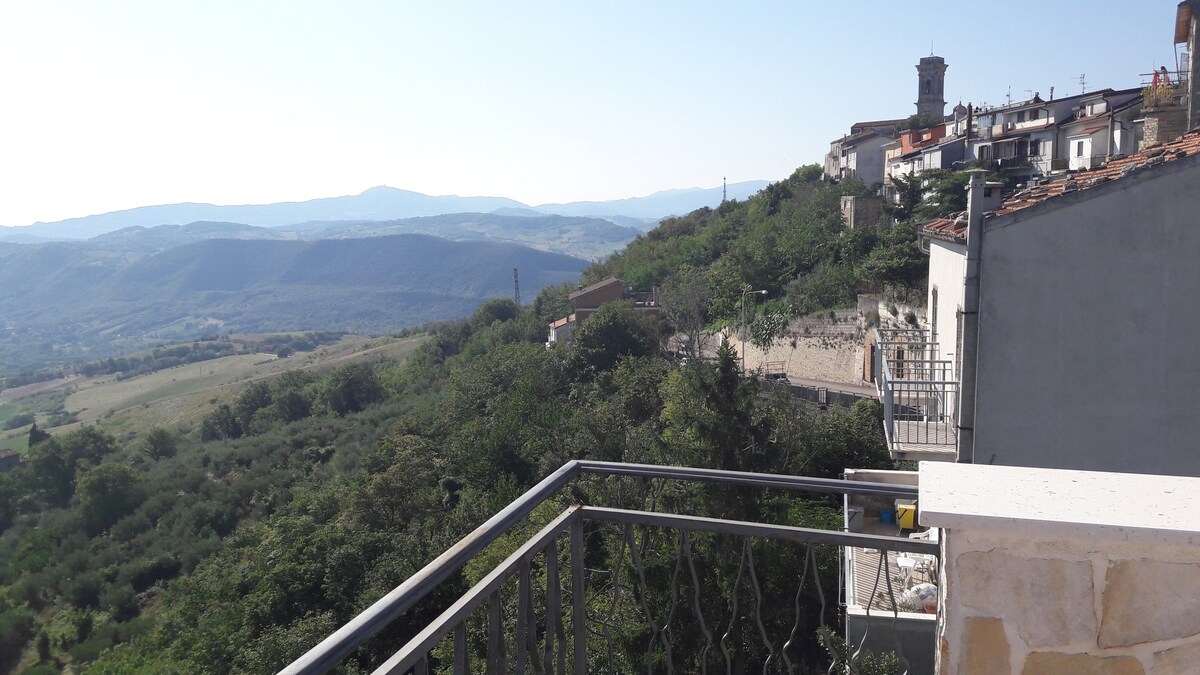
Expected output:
(1087, 130)
(855, 139)
(563, 321)
(599, 284)
(953, 227)
(878, 123)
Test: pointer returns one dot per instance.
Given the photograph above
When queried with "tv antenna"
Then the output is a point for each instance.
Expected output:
(516, 287)
(1082, 83)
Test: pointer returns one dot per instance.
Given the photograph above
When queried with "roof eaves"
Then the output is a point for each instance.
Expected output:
(598, 284)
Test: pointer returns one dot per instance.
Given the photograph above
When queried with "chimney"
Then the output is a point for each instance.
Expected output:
(991, 198)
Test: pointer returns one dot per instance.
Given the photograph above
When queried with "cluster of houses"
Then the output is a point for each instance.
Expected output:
(1025, 141)
(1060, 302)
(1055, 356)
(587, 301)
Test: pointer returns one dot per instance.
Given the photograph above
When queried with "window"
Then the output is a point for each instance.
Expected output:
(985, 152)
(1021, 116)
(1079, 148)
(927, 86)
(1035, 148)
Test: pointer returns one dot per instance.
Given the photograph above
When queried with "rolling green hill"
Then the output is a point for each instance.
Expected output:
(65, 301)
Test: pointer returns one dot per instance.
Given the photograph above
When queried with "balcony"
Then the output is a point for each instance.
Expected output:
(1014, 163)
(618, 590)
(919, 395)
(1157, 96)
(1086, 162)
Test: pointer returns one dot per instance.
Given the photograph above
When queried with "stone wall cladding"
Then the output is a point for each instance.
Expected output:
(1053, 663)
(1148, 600)
(1068, 606)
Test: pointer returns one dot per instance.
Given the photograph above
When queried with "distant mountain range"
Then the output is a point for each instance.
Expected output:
(373, 263)
(65, 301)
(377, 204)
(588, 238)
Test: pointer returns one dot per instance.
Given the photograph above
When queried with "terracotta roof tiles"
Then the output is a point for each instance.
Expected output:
(953, 227)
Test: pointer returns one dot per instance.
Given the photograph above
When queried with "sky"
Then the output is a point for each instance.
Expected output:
(118, 104)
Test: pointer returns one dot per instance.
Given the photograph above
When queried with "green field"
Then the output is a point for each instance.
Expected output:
(176, 396)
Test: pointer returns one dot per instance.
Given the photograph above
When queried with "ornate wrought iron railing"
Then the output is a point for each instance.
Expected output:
(522, 616)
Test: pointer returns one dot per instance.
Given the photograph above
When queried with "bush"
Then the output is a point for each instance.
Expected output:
(147, 572)
(17, 421)
(120, 603)
(84, 590)
(88, 650)
(16, 627)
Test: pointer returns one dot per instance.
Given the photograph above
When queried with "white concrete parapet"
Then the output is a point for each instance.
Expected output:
(1047, 570)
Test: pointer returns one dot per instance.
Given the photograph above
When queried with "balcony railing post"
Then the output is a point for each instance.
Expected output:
(497, 662)
(462, 663)
(524, 625)
(578, 599)
(553, 606)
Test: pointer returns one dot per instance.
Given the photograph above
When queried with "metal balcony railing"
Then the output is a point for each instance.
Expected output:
(524, 617)
(919, 392)
(1014, 162)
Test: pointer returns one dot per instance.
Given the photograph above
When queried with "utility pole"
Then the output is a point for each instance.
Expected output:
(746, 292)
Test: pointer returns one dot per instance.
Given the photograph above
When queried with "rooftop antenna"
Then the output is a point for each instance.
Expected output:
(1028, 94)
(1009, 95)
(516, 287)
(1082, 83)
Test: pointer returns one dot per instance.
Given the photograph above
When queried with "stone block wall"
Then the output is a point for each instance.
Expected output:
(1036, 605)
(1060, 572)
(1163, 124)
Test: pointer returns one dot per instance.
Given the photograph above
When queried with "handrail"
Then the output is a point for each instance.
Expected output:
(751, 529)
(440, 627)
(330, 651)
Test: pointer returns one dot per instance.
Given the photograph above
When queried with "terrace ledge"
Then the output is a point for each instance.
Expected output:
(1057, 503)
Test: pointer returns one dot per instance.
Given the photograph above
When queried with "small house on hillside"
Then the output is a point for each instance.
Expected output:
(588, 299)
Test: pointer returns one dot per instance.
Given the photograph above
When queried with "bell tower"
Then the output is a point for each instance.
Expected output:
(931, 78)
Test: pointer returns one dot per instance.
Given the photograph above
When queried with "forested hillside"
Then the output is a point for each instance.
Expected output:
(69, 302)
(236, 545)
(788, 240)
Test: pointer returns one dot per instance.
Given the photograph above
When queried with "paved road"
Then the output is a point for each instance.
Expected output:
(865, 389)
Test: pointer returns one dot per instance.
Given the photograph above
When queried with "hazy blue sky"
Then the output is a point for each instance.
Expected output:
(116, 104)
